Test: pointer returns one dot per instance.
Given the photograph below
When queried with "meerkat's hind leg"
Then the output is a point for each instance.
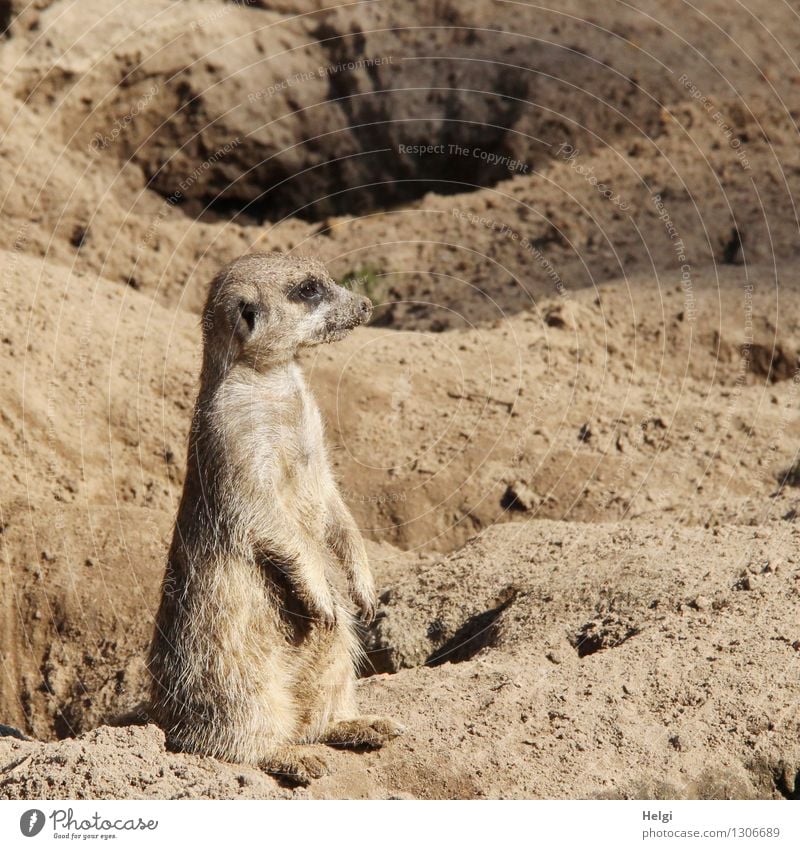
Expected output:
(296, 764)
(363, 732)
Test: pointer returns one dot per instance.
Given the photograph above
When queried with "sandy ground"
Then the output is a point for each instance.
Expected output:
(570, 435)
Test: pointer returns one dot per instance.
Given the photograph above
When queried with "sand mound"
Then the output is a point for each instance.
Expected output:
(605, 660)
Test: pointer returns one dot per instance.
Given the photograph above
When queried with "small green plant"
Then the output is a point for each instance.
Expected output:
(365, 280)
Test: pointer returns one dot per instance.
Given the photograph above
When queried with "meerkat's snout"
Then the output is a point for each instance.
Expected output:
(361, 308)
(366, 310)
(346, 311)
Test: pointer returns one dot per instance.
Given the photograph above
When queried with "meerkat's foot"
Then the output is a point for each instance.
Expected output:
(297, 765)
(369, 732)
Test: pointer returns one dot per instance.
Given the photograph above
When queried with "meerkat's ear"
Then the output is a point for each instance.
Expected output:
(245, 317)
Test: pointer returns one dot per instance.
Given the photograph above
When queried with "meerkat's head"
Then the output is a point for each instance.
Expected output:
(263, 307)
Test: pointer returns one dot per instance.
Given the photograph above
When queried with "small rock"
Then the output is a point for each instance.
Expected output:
(519, 496)
(702, 603)
(680, 742)
(79, 234)
(554, 319)
(555, 656)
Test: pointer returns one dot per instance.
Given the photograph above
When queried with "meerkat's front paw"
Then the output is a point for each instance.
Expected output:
(296, 765)
(326, 616)
(367, 732)
(321, 608)
(366, 600)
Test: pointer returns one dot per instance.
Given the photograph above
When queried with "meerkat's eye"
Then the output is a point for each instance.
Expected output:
(310, 291)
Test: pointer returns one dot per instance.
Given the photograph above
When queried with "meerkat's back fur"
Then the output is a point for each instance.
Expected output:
(255, 645)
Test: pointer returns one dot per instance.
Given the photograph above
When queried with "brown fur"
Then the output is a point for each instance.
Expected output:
(255, 648)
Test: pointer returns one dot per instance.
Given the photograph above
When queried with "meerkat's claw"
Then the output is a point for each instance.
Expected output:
(366, 601)
(297, 765)
(368, 732)
(367, 607)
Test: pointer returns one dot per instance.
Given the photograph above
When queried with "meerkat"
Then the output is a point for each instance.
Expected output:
(255, 649)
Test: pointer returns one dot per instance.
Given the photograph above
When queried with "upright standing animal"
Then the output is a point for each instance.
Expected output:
(255, 647)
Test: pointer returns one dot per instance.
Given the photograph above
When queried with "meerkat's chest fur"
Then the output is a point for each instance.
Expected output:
(271, 433)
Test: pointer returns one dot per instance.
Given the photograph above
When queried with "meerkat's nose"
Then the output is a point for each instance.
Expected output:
(365, 308)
